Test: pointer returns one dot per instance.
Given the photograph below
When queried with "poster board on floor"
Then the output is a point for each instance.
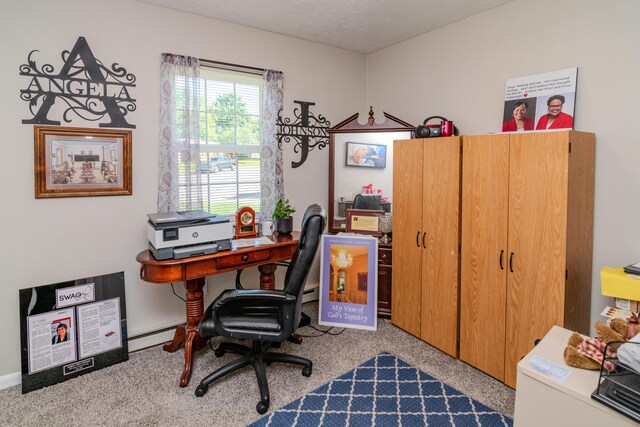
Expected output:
(71, 328)
(349, 281)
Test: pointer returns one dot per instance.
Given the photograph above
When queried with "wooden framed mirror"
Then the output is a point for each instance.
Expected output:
(362, 155)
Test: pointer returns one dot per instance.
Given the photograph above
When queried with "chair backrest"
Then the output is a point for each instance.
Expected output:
(313, 223)
(367, 201)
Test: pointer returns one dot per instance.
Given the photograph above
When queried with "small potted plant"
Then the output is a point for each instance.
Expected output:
(282, 215)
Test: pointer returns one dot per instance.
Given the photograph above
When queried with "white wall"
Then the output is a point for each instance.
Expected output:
(49, 241)
(459, 71)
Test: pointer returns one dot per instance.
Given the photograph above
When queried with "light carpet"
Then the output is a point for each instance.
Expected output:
(144, 391)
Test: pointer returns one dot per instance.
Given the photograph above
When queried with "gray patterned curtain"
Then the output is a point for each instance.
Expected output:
(271, 157)
(179, 134)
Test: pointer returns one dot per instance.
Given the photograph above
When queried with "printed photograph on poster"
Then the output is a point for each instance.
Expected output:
(540, 102)
(51, 339)
(349, 281)
(99, 327)
(62, 329)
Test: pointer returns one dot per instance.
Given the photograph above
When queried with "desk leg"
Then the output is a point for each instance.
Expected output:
(188, 334)
(267, 276)
(178, 339)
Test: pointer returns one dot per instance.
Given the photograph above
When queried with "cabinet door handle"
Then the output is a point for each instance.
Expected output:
(501, 254)
(511, 262)
(417, 237)
(245, 257)
(423, 236)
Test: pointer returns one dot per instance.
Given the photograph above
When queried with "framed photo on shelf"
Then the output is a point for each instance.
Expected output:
(364, 221)
(348, 281)
(540, 102)
(366, 155)
(80, 162)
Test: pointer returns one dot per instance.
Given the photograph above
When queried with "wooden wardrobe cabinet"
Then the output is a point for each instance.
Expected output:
(526, 243)
(426, 189)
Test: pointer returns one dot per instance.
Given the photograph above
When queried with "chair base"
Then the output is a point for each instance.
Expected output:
(258, 357)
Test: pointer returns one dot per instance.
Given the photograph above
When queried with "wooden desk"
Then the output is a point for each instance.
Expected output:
(193, 271)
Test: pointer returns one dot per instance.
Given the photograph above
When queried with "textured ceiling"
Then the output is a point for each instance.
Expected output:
(363, 26)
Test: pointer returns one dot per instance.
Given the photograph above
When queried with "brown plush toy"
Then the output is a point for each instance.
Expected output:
(575, 359)
(577, 346)
(628, 328)
(609, 335)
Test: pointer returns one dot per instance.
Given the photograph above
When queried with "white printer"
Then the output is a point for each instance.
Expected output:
(185, 234)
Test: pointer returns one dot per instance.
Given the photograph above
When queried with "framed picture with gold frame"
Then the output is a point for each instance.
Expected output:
(364, 221)
(80, 162)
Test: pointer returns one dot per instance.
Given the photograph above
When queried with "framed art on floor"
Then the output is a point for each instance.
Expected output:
(71, 328)
(348, 281)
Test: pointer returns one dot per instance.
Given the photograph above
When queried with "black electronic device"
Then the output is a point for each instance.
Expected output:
(444, 128)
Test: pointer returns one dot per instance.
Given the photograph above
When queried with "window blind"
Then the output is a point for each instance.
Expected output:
(230, 119)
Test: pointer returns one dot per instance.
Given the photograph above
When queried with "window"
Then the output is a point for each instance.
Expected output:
(230, 119)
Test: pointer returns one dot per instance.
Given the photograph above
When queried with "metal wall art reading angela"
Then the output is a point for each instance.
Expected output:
(90, 90)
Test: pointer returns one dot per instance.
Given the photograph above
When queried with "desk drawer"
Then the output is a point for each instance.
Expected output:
(283, 253)
(242, 259)
(205, 267)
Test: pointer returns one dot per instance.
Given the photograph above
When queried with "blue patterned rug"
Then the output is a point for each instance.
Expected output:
(385, 391)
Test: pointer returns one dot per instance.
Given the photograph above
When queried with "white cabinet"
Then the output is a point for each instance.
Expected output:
(542, 400)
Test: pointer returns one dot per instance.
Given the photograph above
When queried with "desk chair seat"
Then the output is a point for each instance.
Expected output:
(266, 317)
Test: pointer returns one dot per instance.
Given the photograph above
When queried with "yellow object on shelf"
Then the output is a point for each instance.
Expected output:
(616, 283)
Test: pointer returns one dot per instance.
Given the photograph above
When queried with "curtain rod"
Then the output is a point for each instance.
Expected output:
(236, 67)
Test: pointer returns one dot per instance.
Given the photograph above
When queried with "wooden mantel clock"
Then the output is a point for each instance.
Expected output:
(245, 223)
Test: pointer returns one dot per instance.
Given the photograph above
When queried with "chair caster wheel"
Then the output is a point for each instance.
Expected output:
(261, 407)
(201, 390)
(219, 353)
(306, 371)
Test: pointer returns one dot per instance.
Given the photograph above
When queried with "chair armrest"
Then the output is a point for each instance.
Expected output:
(239, 273)
(238, 284)
(283, 263)
(258, 295)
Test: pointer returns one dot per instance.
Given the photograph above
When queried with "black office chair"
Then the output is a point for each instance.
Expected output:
(367, 201)
(267, 317)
